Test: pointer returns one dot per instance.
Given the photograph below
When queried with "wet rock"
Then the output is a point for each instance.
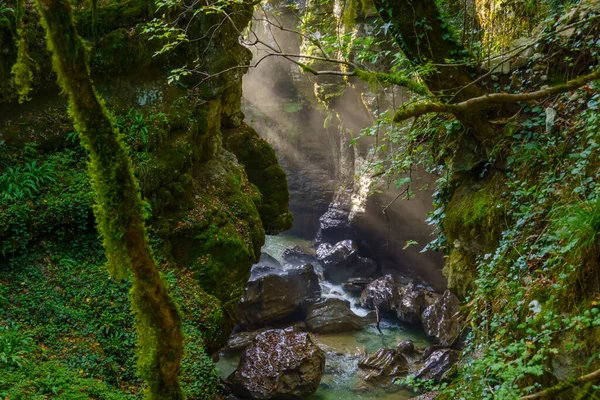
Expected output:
(323, 249)
(342, 262)
(240, 340)
(298, 255)
(356, 285)
(334, 315)
(411, 303)
(405, 347)
(279, 364)
(278, 296)
(398, 296)
(437, 365)
(267, 259)
(441, 320)
(266, 265)
(383, 367)
(334, 224)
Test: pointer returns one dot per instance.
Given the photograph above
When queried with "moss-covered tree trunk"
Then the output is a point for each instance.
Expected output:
(118, 206)
(420, 31)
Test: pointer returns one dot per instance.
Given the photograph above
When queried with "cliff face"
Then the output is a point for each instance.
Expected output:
(314, 122)
(213, 187)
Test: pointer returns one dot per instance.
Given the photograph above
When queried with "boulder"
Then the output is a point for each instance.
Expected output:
(265, 265)
(382, 367)
(356, 285)
(279, 364)
(334, 315)
(405, 347)
(398, 296)
(299, 255)
(437, 365)
(441, 320)
(240, 340)
(278, 296)
(342, 262)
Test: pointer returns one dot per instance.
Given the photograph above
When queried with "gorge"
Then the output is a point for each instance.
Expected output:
(329, 199)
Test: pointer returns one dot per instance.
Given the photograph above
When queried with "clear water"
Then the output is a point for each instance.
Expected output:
(340, 379)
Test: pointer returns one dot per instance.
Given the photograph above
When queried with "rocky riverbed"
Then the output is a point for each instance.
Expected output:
(307, 327)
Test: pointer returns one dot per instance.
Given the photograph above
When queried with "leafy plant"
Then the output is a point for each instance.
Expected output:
(14, 345)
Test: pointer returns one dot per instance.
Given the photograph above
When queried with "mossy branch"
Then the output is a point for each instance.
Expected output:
(391, 79)
(563, 386)
(488, 100)
(118, 207)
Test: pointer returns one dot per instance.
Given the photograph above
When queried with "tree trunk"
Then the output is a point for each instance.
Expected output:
(420, 31)
(118, 207)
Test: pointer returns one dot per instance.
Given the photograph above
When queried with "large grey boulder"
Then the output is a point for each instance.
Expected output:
(437, 365)
(441, 320)
(279, 364)
(342, 262)
(278, 296)
(334, 315)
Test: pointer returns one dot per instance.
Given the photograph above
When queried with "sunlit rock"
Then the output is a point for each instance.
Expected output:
(279, 364)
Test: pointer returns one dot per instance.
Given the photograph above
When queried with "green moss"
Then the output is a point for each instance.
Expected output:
(260, 163)
(220, 238)
(475, 213)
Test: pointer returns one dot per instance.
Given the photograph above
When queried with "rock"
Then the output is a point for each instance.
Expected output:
(441, 320)
(383, 367)
(299, 255)
(399, 296)
(342, 262)
(241, 340)
(278, 297)
(279, 364)
(334, 224)
(437, 365)
(411, 304)
(323, 249)
(334, 315)
(427, 396)
(265, 265)
(405, 347)
(356, 285)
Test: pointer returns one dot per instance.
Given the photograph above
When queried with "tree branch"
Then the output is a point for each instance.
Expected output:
(488, 100)
(561, 387)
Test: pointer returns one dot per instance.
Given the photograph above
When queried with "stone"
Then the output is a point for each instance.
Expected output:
(405, 347)
(342, 262)
(299, 255)
(441, 320)
(398, 296)
(279, 364)
(427, 396)
(356, 285)
(382, 367)
(334, 315)
(279, 296)
(437, 365)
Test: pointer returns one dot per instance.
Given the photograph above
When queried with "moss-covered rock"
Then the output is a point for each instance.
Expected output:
(265, 172)
(475, 218)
